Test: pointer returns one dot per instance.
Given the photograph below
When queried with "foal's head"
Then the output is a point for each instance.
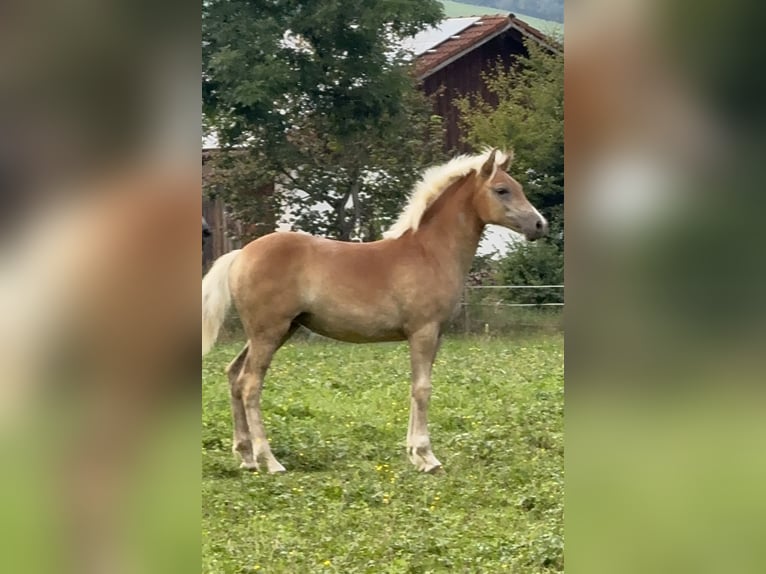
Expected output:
(500, 199)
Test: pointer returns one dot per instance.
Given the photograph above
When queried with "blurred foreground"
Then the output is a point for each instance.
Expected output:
(99, 271)
(665, 422)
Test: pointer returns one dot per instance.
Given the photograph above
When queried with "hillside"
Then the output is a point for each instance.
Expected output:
(457, 9)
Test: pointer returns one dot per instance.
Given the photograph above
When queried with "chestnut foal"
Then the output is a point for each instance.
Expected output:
(405, 286)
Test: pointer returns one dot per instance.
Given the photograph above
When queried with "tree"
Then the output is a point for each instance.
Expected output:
(528, 117)
(315, 96)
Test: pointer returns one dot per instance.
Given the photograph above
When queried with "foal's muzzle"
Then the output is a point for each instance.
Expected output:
(537, 230)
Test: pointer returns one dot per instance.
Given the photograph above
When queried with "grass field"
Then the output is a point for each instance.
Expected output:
(459, 9)
(351, 502)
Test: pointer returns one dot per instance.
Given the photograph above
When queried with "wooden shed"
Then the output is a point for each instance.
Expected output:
(451, 58)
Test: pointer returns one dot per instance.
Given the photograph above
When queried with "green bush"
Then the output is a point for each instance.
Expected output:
(539, 263)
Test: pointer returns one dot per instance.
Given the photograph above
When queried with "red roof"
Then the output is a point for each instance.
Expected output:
(481, 31)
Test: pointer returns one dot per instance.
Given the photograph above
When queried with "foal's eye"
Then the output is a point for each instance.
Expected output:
(502, 191)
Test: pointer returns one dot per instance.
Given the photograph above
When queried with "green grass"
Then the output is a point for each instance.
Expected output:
(458, 10)
(351, 502)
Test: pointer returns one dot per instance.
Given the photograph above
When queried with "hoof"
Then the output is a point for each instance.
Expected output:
(433, 467)
(424, 460)
(276, 468)
(273, 467)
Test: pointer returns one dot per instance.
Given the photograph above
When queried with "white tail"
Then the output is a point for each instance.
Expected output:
(216, 298)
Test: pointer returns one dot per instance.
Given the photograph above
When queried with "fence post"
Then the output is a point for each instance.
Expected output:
(466, 319)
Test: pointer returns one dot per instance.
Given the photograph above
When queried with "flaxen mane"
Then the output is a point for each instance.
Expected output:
(434, 181)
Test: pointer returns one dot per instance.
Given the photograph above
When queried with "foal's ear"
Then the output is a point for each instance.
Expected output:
(507, 163)
(489, 165)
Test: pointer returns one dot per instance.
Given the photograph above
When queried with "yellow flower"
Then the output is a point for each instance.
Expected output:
(326, 563)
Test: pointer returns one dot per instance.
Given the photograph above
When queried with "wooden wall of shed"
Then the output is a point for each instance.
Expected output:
(226, 232)
(464, 76)
(222, 228)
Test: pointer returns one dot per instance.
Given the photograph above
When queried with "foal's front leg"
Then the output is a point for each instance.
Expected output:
(423, 346)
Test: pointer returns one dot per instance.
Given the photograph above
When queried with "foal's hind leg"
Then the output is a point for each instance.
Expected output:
(423, 346)
(241, 444)
(261, 350)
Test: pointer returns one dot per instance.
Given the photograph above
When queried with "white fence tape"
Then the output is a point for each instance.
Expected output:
(514, 287)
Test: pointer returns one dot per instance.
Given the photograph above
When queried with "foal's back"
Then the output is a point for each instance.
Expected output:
(355, 292)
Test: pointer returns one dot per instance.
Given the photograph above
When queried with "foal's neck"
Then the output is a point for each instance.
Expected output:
(452, 229)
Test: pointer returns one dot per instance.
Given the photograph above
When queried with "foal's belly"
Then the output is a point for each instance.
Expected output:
(352, 329)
